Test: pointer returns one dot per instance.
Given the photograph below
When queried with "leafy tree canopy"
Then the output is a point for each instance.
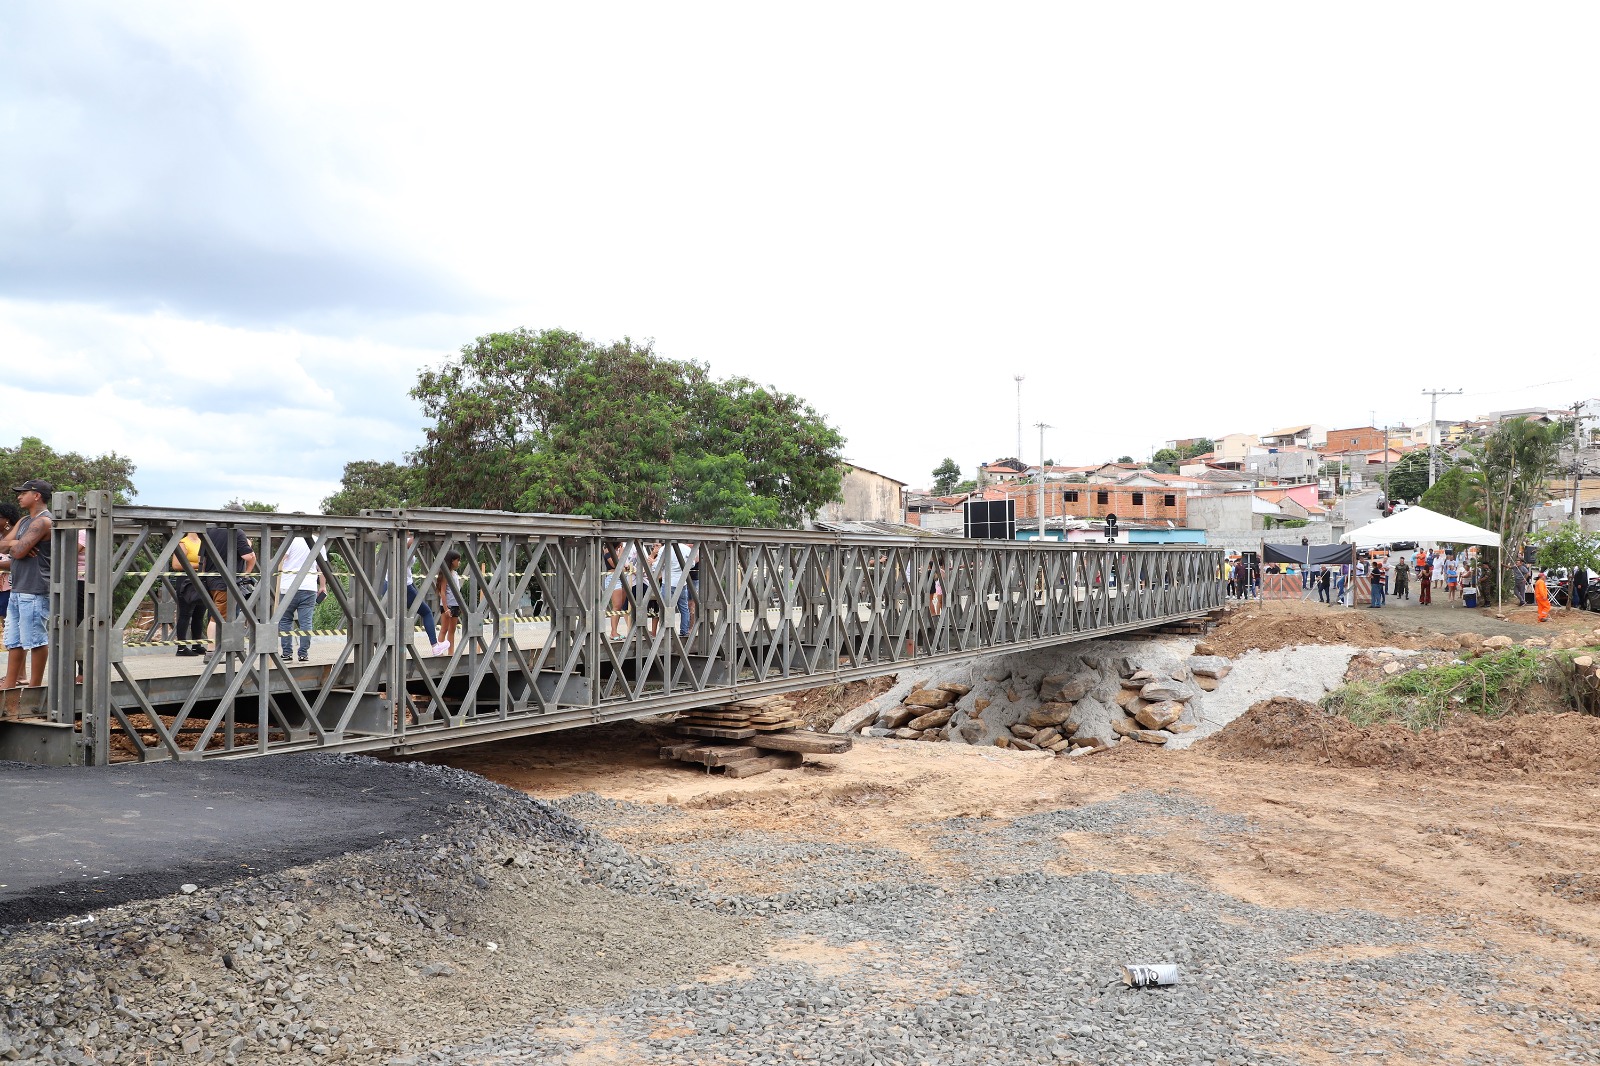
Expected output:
(1408, 479)
(237, 504)
(1199, 447)
(1124, 458)
(368, 485)
(1569, 546)
(964, 488)
(1167, 456)
(1457, 494)
(550, 421)
(67, 471)
(945, 477)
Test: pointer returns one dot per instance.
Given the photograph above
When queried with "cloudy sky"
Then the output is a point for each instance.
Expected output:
(231, 234)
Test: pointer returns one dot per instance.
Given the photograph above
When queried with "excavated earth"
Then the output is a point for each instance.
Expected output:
(1329, 894)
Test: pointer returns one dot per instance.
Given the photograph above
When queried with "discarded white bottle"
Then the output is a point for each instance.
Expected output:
(1136, 976)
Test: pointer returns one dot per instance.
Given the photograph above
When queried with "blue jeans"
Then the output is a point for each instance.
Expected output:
(1378, 594)
(27, 620)
(683, 612)
(297, 614)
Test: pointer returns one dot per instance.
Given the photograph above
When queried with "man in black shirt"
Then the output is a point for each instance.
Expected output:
(28, 612)
(225, 550)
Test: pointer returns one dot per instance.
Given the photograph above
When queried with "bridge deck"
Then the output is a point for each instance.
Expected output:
(772, 611)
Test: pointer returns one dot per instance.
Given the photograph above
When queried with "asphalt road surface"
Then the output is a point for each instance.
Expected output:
(75, 839)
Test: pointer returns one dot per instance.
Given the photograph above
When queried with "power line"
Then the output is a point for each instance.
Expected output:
(1433, 430)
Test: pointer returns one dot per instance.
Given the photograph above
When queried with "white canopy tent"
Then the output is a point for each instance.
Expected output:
(1420, 524)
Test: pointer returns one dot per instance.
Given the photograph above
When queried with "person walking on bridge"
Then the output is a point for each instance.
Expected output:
(27, 635)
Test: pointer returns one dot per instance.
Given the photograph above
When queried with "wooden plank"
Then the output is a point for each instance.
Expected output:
(783, 760)
(719, 734)
(778, 727)
(720, 754)
(673, 751)
(810, 743)
(702, 712)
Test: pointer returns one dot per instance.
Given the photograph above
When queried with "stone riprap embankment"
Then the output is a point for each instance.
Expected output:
(1066, 701)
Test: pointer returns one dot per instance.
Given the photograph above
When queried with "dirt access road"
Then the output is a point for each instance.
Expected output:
(1498, 876)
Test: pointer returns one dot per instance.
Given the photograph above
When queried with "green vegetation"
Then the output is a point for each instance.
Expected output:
(945, 477)
(550, 421)
(1568, 546)
(67, 471)
(1408, 480)
(1422, 699)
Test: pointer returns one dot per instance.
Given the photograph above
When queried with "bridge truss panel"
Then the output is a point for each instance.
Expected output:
(563, 621)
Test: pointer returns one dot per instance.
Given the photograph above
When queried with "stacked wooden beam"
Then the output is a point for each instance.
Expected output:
(748, 737)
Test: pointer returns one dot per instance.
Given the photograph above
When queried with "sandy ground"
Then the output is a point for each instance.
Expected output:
(1508, 869)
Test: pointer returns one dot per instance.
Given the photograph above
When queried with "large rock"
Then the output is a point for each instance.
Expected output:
(1128, 697)
(1161, 689)
(1159, 715)
(895, 717)
(854, 719)
(1091, 718)
(1497, 641)
(1124, 726)
(955, 688)
(930, 699)
(1206, 684)
(1210, 666)
(1203, 648)
(1107, 690)
(970, 731)
(1023, 730)
(1047, 714)
(1065, 688)
(931, 720)
(1151, 736)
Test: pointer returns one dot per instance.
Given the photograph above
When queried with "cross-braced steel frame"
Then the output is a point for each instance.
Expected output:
(564, 621)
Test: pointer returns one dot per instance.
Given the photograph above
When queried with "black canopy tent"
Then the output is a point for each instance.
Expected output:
(1309, 554)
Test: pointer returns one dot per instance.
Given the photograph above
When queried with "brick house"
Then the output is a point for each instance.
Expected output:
(1355, 439)
(1130, 503)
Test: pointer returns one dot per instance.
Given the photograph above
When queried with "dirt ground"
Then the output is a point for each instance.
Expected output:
(1507, 862)
(1273, 624)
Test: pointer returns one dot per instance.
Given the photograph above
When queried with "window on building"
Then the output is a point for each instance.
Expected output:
(1169, 500)
(1138, 499)
(1102, 498)
(1070, 496)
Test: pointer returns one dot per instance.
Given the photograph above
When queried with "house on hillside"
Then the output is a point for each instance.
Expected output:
(1355, 439)
(865, 496)
(1310, 437)
(1000, 471)
(1284, 464)
(1231, 449)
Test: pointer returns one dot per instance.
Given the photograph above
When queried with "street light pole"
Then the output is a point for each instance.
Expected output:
(1040, 487)
(1018, 379)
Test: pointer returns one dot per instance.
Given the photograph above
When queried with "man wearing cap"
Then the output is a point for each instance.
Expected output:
(28, 614)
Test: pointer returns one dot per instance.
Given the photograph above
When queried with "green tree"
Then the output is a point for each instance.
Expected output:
(1511, 469)
(368, 485)
(1457, 493)
(237, 504)
(1123, 459)
(1167, 459)
(1569, 546)
(67, 471)
(550, 421)
(1408, 479)
(963, 488)
(945, 477)
(1199, 447)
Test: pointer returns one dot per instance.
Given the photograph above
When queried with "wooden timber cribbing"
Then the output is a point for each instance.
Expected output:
(747, 738)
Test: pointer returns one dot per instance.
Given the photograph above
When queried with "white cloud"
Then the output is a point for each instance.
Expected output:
(1175, 219)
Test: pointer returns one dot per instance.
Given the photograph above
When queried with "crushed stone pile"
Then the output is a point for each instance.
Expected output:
(511, 913)
(1295, 731)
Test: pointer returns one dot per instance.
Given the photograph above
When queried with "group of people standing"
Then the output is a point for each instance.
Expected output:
(634, 578)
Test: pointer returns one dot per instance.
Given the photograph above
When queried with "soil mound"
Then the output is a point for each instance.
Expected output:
(1283, 730)
(1268, 627)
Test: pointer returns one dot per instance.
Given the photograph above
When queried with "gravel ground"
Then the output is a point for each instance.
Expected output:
(1015, 963)
(1308, 673)
(520, 935)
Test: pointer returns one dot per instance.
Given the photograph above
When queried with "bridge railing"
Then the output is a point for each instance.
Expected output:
(563, 620)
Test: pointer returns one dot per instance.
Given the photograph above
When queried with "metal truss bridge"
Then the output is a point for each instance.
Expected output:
(554, 629)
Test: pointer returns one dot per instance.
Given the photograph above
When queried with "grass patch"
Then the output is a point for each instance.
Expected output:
(1422, 699)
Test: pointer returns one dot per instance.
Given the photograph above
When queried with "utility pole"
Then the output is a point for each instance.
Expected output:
(1577, 458)
(1018, 379)
(1040, 487)
(1433, 431)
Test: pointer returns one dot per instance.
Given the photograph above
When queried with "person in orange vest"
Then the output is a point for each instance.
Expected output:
(1541, 596)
